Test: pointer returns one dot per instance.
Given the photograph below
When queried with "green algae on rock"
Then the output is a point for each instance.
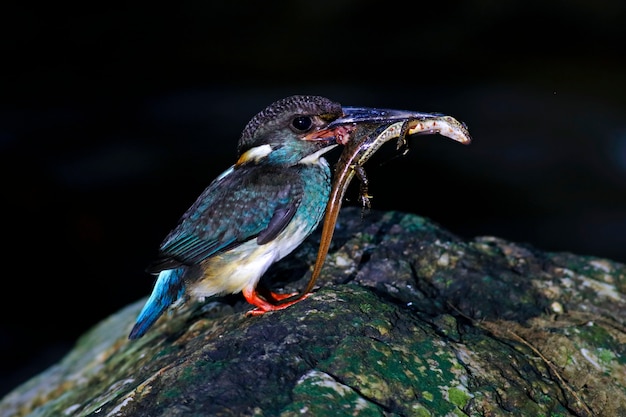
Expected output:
(408, 320)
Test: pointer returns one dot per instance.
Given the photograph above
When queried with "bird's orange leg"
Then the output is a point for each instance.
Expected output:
(262, 304)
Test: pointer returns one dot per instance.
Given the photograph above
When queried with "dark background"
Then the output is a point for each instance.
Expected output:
(113, 120)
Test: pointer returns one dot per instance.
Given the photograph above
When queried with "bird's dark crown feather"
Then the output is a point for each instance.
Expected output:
(293, 105)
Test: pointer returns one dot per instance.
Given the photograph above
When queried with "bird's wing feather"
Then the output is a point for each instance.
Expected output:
(280, 219)
(233, 209)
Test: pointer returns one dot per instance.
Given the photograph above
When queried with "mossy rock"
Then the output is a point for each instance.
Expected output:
(407, 320)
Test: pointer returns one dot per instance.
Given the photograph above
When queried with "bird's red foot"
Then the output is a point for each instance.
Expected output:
(262, 303)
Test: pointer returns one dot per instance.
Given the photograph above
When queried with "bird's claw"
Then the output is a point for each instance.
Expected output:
(263, 304)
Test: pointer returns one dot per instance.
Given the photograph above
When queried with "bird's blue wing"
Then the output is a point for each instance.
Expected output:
(257, 202)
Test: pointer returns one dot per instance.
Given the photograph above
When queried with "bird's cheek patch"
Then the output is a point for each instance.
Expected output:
(254, 154)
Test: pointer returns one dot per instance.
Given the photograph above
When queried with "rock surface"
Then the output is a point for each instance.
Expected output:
(408, 320)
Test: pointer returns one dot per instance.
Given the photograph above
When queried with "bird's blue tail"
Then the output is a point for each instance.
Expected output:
(168, 288)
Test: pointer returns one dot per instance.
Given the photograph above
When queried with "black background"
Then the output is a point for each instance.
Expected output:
(113, 120)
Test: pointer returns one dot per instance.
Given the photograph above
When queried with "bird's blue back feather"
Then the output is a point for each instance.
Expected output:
(169, 287)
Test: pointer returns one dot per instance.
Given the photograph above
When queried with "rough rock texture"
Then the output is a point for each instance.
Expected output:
(409, 320)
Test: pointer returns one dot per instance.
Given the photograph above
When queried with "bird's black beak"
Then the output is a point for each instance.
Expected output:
(377, 116)
(382, 120)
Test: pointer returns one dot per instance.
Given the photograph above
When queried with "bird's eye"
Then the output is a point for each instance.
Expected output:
(302, 123)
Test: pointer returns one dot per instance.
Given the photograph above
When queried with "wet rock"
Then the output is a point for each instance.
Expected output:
(408, 319)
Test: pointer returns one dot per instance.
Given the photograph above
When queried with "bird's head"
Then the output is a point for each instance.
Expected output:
(289, 130)
(300, 128)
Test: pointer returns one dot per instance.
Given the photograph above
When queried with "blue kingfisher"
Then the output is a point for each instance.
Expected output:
(264, 206)
(253, 214)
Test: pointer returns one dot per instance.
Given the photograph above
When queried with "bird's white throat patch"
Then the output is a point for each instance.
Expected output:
(314, 157)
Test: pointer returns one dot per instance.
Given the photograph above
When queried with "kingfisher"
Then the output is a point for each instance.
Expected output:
(253, 214)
